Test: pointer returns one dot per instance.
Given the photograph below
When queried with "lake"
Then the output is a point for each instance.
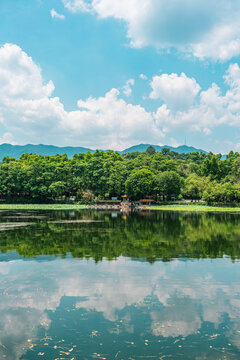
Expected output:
(107, 285)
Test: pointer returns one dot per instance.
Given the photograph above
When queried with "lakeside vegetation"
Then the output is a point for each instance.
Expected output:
(177, 207)
(195, 208)
(42, 206)
(101, 175)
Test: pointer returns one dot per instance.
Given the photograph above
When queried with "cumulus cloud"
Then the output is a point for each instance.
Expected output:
(176, 91)
(187, 107)
(111, 119)
(202, 28)
(127, 89)
(20, 76)
(55, 14)
(143, 77)
(26, 105)
(28, 110)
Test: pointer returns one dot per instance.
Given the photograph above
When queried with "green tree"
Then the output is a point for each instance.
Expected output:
(57, 189)
(168, 184)
(150, 150)
(194, 186)
(140, 183)
(117, 179)
(166, 151)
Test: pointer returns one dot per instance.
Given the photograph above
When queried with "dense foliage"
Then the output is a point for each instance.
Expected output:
(164, 176)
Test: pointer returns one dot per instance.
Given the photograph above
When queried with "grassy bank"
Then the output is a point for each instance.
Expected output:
(41, 207)
(191, 208)
(195, 208)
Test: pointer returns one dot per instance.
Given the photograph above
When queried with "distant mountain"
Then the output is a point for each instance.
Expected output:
(183, 149)
(17, 150)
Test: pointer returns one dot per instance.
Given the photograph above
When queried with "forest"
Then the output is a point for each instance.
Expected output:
(85, 178)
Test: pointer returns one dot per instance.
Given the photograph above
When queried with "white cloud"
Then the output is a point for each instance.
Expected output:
(209, 109)
(7, 138)
(28, 110)
(207, 131)
(20, 77)
(222, 43)
(174, 142)
(232, 76)
(143, 77)
(26, 106)
(127, 89)
(202, 28)
(110, 119)
(176, 91)
(79, 5)
(56, 15)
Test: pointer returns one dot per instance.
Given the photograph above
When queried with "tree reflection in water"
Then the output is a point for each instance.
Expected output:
(147, 235)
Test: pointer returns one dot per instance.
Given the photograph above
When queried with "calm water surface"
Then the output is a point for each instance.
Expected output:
(91, 285)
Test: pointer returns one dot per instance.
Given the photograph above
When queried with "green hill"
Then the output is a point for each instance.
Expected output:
(17, 150)
(183, 149)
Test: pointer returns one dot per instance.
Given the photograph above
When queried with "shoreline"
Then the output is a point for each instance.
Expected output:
(42, 207)
(182, 208)
(194, 208)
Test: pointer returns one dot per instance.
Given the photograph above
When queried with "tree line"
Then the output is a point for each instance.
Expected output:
(101, 175)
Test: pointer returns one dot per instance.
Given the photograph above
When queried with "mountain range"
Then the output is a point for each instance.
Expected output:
(17, 150)
(183, 149)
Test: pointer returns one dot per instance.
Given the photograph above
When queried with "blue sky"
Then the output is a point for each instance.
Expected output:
(110, 74)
